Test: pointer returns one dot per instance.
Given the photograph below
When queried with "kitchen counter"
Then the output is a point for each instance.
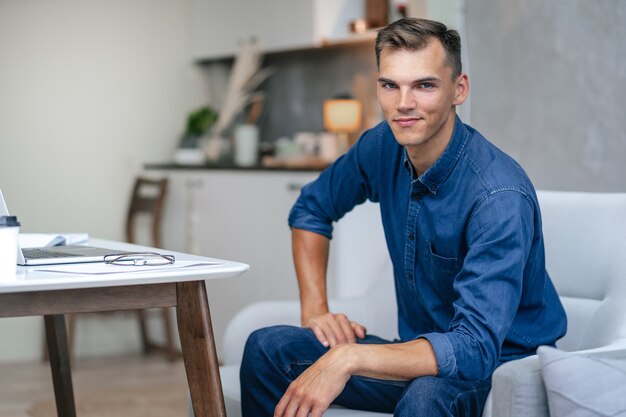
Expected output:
(268, 165)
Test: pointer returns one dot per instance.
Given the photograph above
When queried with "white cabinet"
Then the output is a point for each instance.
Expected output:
(216, 26)
(237, 215)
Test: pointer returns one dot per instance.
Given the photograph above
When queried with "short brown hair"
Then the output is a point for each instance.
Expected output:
(414, 34)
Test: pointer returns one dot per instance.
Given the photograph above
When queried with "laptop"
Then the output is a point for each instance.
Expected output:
(51, 255)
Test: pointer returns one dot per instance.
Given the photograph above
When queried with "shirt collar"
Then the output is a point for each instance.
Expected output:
(441, 169)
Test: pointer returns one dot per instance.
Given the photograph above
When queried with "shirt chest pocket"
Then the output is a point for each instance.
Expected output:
(440, 273)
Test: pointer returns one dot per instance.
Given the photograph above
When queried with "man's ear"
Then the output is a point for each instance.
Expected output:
(461, 89)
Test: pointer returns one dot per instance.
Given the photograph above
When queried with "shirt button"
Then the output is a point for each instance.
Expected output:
(409, 275)
(411, 236)
(415, 196)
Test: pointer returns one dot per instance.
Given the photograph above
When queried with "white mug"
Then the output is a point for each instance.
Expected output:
(9, 229)
(246, 144)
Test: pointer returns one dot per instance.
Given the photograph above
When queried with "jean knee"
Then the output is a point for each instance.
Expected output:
(270, 344)
(261, 342)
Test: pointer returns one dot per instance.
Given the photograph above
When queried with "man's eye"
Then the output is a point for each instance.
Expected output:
(426, 86)
(389, 85)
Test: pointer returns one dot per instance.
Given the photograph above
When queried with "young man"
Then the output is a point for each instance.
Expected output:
(463, 228)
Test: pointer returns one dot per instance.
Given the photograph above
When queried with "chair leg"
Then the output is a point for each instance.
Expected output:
(143, 327)
(149, 346)
(171, 352)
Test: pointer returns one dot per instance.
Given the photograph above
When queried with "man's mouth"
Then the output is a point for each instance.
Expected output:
(405, 121)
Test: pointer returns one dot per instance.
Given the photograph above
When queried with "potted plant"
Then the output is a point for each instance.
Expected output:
(199, 123)
(198, 126)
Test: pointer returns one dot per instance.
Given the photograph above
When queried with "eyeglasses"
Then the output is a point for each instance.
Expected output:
(139, 259)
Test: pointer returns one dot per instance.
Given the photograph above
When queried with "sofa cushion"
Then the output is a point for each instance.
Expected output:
(584, 384)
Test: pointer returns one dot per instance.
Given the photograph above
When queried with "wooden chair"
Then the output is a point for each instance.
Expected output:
(147, 199)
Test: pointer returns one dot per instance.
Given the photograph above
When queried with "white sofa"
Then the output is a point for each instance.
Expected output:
(585, 237)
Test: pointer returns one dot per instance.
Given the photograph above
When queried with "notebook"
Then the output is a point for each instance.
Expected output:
(57, 254)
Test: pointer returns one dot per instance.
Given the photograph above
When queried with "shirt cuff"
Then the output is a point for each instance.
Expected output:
(444, 353)
(302, 220)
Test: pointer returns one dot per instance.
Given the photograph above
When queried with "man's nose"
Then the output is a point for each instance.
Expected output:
(407, 101)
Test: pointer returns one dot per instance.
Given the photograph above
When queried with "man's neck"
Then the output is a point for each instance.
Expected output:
(424, 156)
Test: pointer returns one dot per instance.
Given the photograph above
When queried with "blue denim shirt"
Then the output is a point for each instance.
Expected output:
(465, 240)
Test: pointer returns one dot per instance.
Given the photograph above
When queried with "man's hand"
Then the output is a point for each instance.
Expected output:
(333, 329)
(316, 388)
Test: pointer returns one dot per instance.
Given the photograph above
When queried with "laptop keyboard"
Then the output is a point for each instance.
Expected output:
(36, 253)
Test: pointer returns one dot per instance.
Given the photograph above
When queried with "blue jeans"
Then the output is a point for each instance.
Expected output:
(275, 356)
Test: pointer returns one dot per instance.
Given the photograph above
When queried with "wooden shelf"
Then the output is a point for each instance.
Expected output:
(354, 39)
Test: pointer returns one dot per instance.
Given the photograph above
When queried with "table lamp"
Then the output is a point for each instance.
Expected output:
(342, 116)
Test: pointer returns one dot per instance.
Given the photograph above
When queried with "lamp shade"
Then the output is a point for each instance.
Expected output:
(342, 115)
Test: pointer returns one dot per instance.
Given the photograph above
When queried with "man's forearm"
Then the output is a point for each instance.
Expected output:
(310, 256)
(396, 361)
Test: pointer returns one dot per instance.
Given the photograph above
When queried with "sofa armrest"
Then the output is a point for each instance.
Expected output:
(518, 389)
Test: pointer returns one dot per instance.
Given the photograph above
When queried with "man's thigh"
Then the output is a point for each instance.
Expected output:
(283, 346)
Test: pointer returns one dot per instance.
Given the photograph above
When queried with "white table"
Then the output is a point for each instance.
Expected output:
(51, 294)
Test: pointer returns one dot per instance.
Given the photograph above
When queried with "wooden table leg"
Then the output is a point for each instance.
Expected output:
(56, 336)
(198, 346)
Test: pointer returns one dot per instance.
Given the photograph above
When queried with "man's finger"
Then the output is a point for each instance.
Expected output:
(293, 407)
(334, 332)
(319, 334)
(317, 412)
(346, 327)
(291, 404)
(359, 329)
(303, 411)
(279, 411)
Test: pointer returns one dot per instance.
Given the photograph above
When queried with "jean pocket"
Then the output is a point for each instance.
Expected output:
(441, 272)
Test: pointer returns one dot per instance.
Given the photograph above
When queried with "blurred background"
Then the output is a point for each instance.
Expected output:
(94, 93)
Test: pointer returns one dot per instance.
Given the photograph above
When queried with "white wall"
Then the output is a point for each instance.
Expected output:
(90, 90)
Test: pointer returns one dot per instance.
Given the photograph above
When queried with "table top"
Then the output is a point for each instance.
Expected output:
(38, 279)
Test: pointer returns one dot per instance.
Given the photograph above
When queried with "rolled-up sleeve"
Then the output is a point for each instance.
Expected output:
(489, 286)
(337, 190)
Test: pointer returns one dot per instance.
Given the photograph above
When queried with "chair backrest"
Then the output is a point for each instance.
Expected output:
(585, 240)
(148, 198)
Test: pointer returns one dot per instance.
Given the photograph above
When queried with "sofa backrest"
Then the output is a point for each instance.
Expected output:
(585, 241)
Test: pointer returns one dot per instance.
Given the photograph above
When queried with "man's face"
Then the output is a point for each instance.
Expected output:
(417, 94)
